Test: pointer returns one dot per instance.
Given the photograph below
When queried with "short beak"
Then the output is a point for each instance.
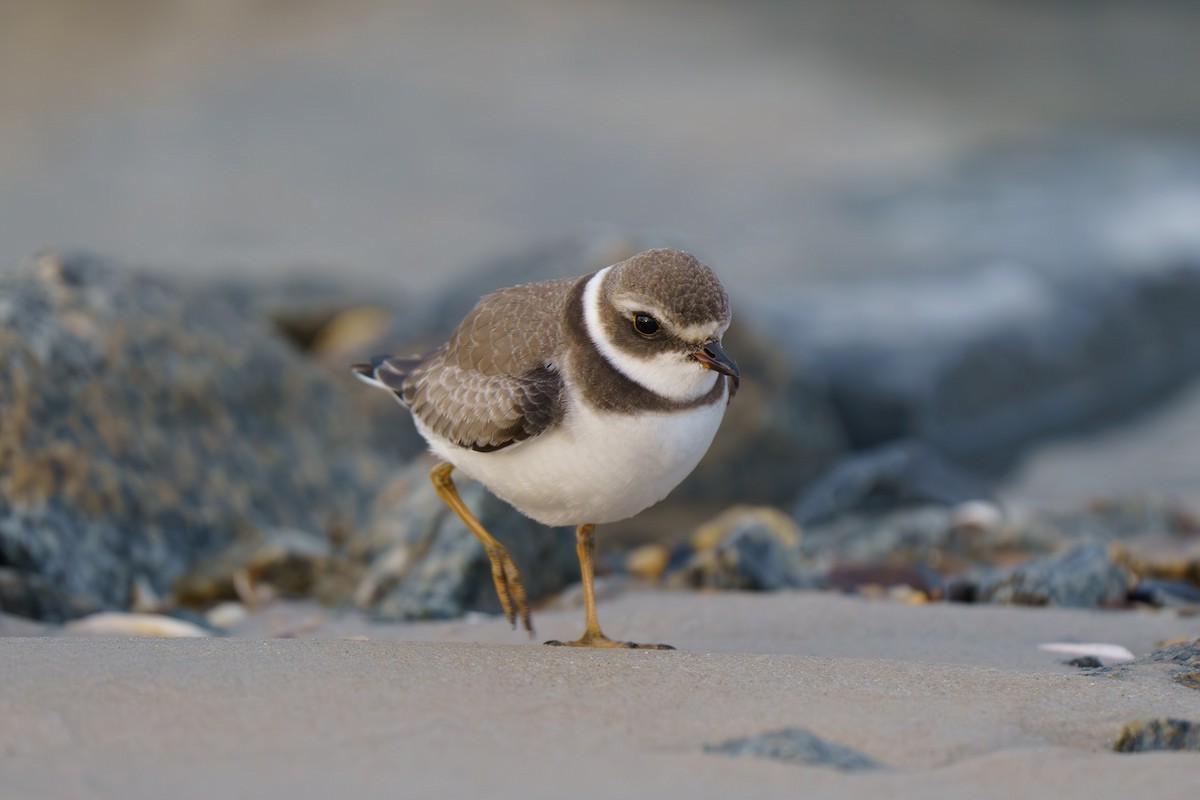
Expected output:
(712, 356)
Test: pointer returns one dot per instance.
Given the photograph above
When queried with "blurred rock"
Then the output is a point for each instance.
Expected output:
(923, 536)
(1189, 679)
(1085, 662)
(1165, 594)
(968, 553)
(917, 578)
(1083, 577)
(746, 548)
(1178, 661)
(147, 425)
(797, 746)
(1179, 658)
(647, 561)
(950, 540)
(423, 563)
(1164, 733)
(980, 363)
(904, 473)
(290, 561)
(1169, 554)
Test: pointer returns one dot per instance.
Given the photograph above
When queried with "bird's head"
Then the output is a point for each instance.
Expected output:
(658, 318)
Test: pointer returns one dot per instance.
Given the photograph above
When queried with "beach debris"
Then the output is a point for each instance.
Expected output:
(121, 623)
(797, 746)
(1103, 653)
(1164, 733)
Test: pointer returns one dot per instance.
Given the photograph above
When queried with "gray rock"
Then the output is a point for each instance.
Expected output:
(1082, 577)
(954, 539)
(904, 473)
(1085, 662)
(753, 552)
(918, 535)
(797, 746)
(1164, 733)
(1165, 593)
(1181, 654)
(290, 561)
(1174, 659)
(146, 425)
(423, 562)
(981, 363)
(1179, 662)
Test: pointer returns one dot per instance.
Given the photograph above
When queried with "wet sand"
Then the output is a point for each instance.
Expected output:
(955, 700)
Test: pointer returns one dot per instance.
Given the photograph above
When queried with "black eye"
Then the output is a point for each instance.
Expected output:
(645, 325)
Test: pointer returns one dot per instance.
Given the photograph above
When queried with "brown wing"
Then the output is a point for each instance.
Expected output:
(496, 382)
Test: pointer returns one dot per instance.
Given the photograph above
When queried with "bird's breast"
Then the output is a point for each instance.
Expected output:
(596, 466)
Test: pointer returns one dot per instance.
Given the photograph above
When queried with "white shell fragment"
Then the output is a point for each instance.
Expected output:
(1106, 653)
(119, 623)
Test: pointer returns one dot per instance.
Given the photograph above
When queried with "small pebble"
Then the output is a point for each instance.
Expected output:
(1106, 653)
(976, 516)
(648, 561)
(1084, 662)
(226, 615)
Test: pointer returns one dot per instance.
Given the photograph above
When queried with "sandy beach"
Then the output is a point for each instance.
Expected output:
(953, 700)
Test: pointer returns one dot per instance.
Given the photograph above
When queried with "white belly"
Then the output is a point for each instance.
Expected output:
(594, 467)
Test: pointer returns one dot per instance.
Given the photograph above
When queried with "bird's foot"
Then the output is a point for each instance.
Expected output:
(509, 587)
(600, 640)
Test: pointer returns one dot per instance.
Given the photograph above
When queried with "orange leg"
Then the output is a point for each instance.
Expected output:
(585, 546)
(509, 588)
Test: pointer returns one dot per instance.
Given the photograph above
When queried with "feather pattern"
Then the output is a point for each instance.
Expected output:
(494, 383)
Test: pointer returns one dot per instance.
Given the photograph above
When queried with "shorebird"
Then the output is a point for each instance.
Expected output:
(579, 401)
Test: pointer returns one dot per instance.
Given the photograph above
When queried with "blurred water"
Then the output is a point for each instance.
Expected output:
(410, 141)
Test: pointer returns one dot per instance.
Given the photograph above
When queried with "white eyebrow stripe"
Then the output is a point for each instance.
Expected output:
(701, 333)
(704, 332)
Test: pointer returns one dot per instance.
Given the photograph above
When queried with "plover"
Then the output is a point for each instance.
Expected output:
(579, 401)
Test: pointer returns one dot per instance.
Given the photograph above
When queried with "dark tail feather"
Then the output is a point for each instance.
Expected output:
(385, 372)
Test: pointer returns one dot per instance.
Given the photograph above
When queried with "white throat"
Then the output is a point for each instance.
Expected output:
(667, 374)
